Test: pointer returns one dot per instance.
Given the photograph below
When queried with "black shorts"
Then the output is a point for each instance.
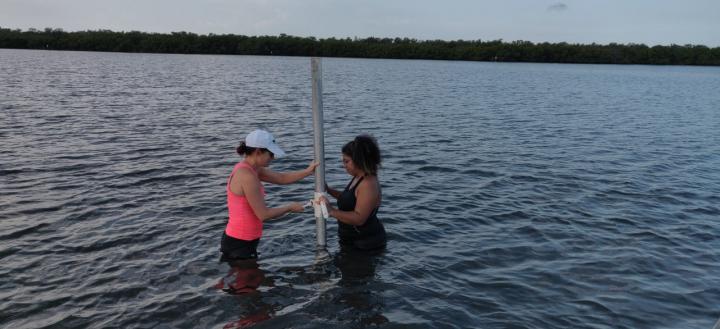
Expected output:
(236, 249)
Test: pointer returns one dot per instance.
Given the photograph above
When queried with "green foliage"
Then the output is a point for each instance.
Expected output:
(372, 47)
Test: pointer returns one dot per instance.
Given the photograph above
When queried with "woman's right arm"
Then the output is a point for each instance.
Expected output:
(368, 198)
(250, 185)
(335, 193)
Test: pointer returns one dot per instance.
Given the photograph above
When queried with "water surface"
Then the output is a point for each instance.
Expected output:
(515, 195)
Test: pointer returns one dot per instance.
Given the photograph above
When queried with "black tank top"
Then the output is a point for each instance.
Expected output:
(368, 236)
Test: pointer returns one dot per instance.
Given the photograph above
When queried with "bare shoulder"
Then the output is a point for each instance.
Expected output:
(242, 177)
(245, 175)
(370, 187)
(370, 183)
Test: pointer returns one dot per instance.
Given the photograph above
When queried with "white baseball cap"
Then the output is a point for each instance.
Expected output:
(263, 139)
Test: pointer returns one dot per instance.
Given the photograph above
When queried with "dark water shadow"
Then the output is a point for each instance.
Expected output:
(340, 290)
(356, 299)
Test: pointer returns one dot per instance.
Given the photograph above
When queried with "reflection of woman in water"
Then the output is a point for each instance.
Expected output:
(245, 276)
(358, 203)
(359, 300)
(244, 279)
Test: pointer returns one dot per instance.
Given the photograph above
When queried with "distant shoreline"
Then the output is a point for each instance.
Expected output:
(389, 48)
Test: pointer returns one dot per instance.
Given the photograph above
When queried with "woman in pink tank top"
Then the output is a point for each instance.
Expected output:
(246, 196)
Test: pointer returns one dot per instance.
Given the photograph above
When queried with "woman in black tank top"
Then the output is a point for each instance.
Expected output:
(358, 204)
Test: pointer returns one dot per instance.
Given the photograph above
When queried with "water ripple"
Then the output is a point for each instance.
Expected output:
(514, 195)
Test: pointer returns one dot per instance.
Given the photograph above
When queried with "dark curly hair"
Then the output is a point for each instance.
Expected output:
(364, 152)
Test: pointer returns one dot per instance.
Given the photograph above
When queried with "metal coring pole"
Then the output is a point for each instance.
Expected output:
(317, 108)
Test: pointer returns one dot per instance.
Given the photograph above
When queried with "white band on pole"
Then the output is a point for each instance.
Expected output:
(320, 207)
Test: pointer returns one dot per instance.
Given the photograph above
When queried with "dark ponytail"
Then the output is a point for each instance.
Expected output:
(245, 150)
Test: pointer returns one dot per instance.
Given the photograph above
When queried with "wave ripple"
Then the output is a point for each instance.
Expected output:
(515, 195)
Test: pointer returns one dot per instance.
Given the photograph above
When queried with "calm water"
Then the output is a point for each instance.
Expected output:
(515, 195)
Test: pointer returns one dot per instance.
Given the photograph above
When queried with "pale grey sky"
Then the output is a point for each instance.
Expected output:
(576, 21)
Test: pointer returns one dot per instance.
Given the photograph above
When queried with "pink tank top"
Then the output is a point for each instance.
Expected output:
(243, 224)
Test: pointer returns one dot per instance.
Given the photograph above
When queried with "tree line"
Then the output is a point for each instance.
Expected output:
(397, 48)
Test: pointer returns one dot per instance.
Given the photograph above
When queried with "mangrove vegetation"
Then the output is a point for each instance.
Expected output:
(398, 48)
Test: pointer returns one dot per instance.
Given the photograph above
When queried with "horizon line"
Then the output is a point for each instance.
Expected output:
(354, 38)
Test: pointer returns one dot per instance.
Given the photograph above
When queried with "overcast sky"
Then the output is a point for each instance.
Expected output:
(576, 21)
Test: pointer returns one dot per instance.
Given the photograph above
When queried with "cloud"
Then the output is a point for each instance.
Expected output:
(557, 7)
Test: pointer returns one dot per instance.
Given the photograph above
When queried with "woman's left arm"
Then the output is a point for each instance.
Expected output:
(368, 195)
(283, 178)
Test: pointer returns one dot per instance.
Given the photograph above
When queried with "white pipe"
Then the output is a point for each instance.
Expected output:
(317, 108)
